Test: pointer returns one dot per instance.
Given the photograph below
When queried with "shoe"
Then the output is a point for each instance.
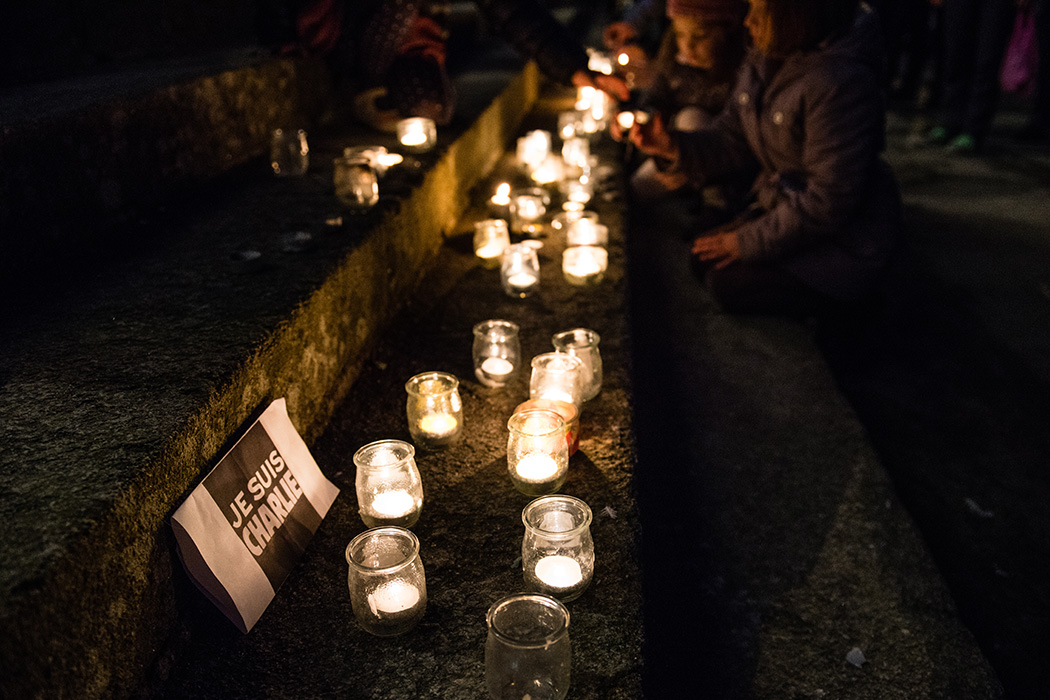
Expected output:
(963, 145)
(937, 136)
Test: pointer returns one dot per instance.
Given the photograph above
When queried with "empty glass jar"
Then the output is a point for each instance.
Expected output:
(497, 351)
(537, 451)
(557, 375)
(389, 489)
(557, 552)
(388, 587)
(434, 409)
(583, 343)
(527, 652)
(289, 152)
(355, 181)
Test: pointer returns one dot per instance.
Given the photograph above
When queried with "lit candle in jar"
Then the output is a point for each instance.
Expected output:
(417, 133)
(390, 505)
(393, 597)
(521, 281)
(558, 571)
(536, 467)
(502, 196)
(584, 265)
(438, 425)
(496, 367)
(519, 270)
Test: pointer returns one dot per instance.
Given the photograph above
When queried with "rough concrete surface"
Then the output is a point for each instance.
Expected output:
(120, 387)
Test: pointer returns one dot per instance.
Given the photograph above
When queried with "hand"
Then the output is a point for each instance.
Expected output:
(617, 34)
(654, 139)
(611, 84)
(720, 248)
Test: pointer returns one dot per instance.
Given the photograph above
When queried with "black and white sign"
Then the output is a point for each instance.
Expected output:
(242, 529)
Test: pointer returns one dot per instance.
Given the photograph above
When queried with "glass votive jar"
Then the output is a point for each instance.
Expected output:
(356, 182)
(568, 412)
(537, 452)
(533, 148)
(527, 651)
(499, 202)
(289, 152)
(569, 126)
(379, 157)
(575, 151)
(491, 238)
(435, 411)
(548, 171)
(557, 375)
(587, 232)
(497, 351)
(389, 489)
(526, 212)
(578, 190)
(564, 219)
(583, 343)
(519, 270)
(417, 134)
(388, 587)
(584, 265)
(557, 552)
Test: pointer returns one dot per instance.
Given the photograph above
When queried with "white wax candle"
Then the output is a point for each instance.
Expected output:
(521, 280)
(583, 266)
(555, 395)
(558, 571)
(393, 597)
(492, 249)
(496, 366)
(414, 136)
(438, 424)
(536, 467)
(384, 458)
(502, 196)
(393, 504)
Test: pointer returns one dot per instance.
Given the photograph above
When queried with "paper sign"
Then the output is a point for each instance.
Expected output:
(242, 529)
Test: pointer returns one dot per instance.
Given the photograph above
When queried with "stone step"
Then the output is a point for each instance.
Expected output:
(121, 385)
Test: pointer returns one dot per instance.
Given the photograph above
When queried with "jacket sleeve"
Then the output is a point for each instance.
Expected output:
(721, 152)
(842, 132)
(535, 33)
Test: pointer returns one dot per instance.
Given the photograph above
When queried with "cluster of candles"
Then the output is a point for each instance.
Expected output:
(524, 213)
(356, 173)
(386, 577)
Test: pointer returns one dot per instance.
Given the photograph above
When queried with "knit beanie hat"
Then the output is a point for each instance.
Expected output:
(709, 10)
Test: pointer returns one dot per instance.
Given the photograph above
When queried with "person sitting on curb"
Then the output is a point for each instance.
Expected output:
(390, 54)
(808, 109)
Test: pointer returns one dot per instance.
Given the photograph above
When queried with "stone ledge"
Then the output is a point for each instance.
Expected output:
(118, 394)
(81, 156)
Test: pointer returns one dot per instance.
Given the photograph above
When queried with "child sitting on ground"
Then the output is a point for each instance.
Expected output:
(694, 73)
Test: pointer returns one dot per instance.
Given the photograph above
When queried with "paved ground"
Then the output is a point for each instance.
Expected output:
(950, 380)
